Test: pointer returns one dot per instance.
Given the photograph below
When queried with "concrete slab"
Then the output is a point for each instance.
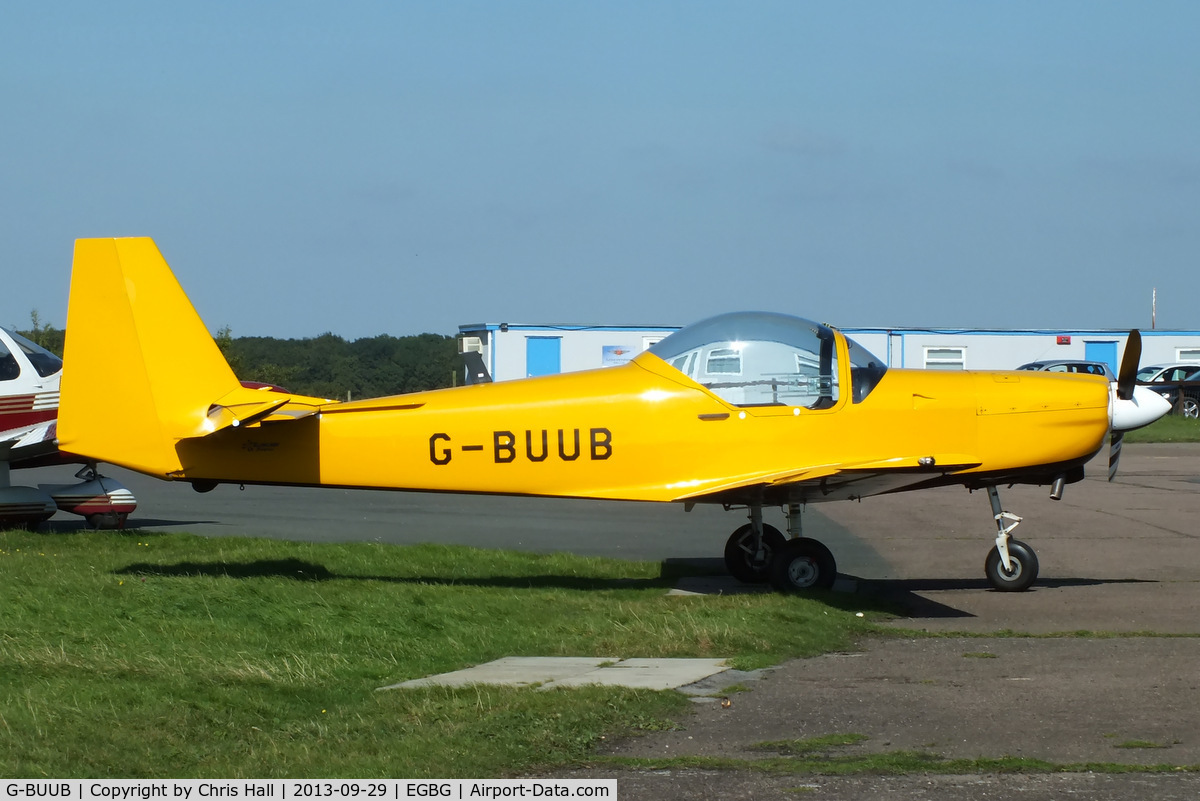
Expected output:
(551, 672)
(713, 689)
(646, 674)
(513, 670)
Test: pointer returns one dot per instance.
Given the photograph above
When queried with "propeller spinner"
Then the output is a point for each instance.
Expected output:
(1132, 406)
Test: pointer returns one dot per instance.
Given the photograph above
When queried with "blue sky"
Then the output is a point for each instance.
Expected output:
(394, 167)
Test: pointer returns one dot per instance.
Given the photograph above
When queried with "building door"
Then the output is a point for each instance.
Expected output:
(1101, 352)
(543, 355)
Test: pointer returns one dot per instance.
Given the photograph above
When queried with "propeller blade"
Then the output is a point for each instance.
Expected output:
(1127, 377)
(1132, 406)
(1114, 453)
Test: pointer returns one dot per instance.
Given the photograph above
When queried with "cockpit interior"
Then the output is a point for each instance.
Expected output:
(769, 359)
(42, 360)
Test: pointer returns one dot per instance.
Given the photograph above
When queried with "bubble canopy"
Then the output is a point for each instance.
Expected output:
(768, 359)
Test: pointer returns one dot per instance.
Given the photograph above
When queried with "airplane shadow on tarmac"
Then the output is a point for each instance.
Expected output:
(75, 526)
(300, 570)
(904, 593)
(895, 595)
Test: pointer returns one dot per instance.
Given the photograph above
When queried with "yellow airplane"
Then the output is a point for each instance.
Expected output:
(744, 410)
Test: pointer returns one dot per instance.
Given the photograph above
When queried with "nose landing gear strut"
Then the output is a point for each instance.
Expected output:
(1012, 565)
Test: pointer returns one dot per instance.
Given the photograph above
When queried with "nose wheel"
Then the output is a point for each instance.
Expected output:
(1011, 566)
(1021, 571)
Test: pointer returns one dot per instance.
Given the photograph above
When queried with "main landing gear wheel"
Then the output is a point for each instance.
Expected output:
(747, 563)
(106, 520)
(1024, 567)
(803, 564)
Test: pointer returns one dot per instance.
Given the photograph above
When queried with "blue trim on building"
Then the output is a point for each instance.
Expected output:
(464, 329)
(894, 336)
(1087, 332)
(850, 330)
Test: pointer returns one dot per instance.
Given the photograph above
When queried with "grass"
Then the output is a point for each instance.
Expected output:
(1172, 428)
(135, 654)
(821, 756)
(889, 763)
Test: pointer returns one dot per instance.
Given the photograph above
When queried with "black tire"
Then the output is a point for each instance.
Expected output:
(105, 521)
(740, 556)
(1025, 568)
(1190, 408)
(803, 564)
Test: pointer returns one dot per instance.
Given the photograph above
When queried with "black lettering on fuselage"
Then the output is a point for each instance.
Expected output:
(505, 450)
(436, 456)
(529, 447)
(601, 444)
(562, 452)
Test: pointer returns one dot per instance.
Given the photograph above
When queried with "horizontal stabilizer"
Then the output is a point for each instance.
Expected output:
(245, 407)
(242, 414)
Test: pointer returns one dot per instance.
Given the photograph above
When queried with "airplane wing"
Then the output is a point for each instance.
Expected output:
(836, 481)
(28, 442)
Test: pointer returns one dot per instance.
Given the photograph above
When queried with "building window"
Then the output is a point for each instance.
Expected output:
(724, 361)
(945, 358)
(1187, 355)
(686, 363)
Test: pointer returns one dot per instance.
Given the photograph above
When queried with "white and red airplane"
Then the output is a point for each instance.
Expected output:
(29, 381)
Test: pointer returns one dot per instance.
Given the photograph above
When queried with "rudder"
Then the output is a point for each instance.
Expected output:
(140, 368)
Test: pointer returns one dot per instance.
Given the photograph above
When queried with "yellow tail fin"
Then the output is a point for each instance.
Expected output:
(141, 370)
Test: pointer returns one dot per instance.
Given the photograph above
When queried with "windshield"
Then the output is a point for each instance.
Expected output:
(767, 359)
(45, 362)
(9, 369)
(865, 370)
(1146, 373)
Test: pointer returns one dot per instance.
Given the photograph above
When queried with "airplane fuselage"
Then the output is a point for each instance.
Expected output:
(744, 409)
(643, 431)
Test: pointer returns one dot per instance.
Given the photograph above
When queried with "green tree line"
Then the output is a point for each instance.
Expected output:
(47, 336)
(329, 366)
(326, 366)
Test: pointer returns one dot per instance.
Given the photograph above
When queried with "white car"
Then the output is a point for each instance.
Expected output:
(1071, 366)
(1170, 373)
(1189, 404)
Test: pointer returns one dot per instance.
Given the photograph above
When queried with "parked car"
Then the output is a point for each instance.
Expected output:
(1169, 380)
(1169, 373)
(1190, 406)
(1183, 393)
(1071, 366)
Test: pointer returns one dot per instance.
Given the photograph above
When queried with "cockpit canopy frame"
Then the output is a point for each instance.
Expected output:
(753, 359)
